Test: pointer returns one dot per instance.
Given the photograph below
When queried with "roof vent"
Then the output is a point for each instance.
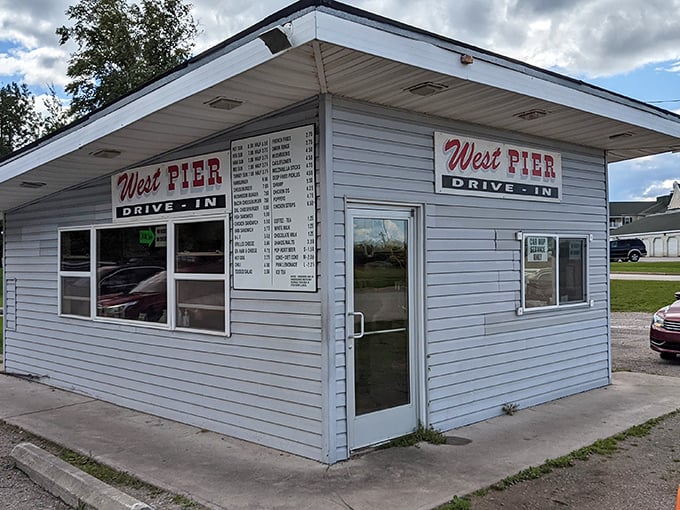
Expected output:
(534, 114)
(106, 153)
(625, 134)
(427, 88)
(223, 103)
(32, 184)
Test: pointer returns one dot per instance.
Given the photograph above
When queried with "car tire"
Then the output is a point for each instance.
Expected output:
(634, 256)
(667, 355)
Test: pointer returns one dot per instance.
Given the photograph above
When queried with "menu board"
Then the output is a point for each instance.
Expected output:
(274, 211)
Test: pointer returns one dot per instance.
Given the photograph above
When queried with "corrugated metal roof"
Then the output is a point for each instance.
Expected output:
(353, 54)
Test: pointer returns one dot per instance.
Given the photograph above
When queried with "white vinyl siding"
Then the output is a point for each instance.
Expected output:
(480, 353)
(269, 382)
(263, 383)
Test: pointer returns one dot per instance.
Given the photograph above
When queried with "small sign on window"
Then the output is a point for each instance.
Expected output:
(538, 249)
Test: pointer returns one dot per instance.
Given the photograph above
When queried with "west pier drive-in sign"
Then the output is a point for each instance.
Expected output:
(475, 167)
(186, 187)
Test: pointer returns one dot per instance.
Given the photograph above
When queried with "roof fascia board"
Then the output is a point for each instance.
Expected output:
(382, 41)
(233, 62)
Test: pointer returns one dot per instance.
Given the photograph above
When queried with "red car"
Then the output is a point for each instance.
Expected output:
(664, 333)
(145, 302)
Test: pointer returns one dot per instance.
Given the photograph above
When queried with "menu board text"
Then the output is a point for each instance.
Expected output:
(274, 211)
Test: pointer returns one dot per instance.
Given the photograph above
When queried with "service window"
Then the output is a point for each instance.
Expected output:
(74, 272)
(554, 271)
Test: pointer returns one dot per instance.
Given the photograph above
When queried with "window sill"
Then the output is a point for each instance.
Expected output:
(553, 308)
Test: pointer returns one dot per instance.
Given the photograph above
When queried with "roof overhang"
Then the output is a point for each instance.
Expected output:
(339, 50)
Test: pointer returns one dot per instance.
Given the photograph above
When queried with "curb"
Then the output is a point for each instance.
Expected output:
(73, 486)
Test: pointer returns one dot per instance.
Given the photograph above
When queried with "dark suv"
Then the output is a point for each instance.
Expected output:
(627, 249)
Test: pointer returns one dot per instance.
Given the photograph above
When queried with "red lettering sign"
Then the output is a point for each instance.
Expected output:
(475, 166)
(192, 175)
(198, 182)
(464, 154)
(130, 185)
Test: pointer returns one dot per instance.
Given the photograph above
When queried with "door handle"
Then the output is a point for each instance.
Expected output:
(361, 325)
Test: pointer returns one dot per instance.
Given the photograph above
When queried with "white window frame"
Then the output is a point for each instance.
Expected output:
(75, 274)
(136, 323)
(172, 276)
(522, 236)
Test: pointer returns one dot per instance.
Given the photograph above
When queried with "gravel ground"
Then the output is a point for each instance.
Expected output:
(643, 475)
(630, 346)
(18, 492)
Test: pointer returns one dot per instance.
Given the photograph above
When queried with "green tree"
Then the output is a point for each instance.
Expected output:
(19, 122)
(56, 115)
(122, 45)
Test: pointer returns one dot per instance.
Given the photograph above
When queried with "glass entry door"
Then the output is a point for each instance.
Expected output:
(380, 325)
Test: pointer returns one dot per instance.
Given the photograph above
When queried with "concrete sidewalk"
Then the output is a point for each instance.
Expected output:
(644, 276)
(221, 472)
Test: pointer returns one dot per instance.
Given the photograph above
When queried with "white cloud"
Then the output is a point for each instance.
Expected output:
(39, 67)
(644, 178)
(32, 23)
(40, 103)
(580, 37)
(657, 188)
(585, 37)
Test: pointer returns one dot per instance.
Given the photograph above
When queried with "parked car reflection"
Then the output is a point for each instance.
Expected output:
(540, 287)
(147, 301)
(122, 279)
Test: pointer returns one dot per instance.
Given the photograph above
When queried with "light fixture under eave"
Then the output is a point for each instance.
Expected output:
(467, 59)
(223, 103)
(32, 184)
(428, 88)
(278, 38)
(106, 153)
(534, 114)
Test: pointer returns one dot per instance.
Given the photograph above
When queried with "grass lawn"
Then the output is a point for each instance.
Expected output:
(645, 267)
(641, 296)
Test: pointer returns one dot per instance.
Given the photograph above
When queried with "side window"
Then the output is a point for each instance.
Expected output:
(540, 275)
(554, 271)
(573, 266)
(132, 274)
(129, 273)
(74, 272)
(200, 275)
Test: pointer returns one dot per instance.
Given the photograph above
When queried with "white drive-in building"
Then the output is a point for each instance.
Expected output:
(322, 232)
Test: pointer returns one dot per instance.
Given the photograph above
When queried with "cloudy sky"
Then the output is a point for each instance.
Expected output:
(629, 46)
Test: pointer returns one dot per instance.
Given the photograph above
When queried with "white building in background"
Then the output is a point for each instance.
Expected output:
(660, 232)
(322, 232)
